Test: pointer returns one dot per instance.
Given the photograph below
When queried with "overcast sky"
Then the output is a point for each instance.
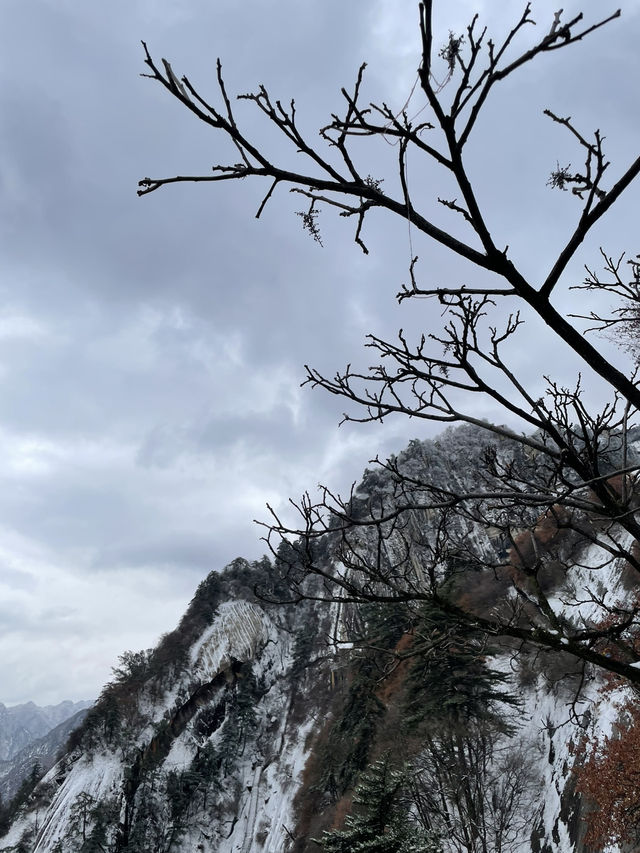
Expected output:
(151, 350)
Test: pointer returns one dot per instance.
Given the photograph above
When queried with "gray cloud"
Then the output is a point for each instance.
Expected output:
(151, 349)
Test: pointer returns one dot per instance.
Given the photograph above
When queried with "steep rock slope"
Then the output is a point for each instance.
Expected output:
(253, 726)
(200, 746)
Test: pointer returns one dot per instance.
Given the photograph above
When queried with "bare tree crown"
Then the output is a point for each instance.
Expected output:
(575, 468)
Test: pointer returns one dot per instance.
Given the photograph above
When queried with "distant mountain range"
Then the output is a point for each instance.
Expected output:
(31, 734)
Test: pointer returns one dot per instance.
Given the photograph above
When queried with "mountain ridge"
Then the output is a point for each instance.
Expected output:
(255, 725)
(41, 752)
(20, 724)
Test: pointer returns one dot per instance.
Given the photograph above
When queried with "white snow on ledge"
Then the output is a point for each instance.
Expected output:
(237, 631)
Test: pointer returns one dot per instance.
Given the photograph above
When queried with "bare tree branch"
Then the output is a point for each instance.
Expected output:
(537, 503)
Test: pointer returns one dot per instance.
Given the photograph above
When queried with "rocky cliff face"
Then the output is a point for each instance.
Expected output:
(201, 746)
(254, 725)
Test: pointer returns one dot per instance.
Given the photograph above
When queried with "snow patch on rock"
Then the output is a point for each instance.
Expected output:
(236, 633)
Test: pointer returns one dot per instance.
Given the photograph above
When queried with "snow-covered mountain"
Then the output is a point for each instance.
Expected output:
(202, 745)
(41, 754)
(259, 727)
(22, 724)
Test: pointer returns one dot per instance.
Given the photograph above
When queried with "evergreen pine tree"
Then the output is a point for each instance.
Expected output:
(22, 795)
(96, 841)
(240, 721)
(148, 827)
(385, 623)
(451, 683)
(381, 822)
(347, 749)
(4, 817)
(103, 815)
(245, 704)
(453, 702)
(80, 817)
